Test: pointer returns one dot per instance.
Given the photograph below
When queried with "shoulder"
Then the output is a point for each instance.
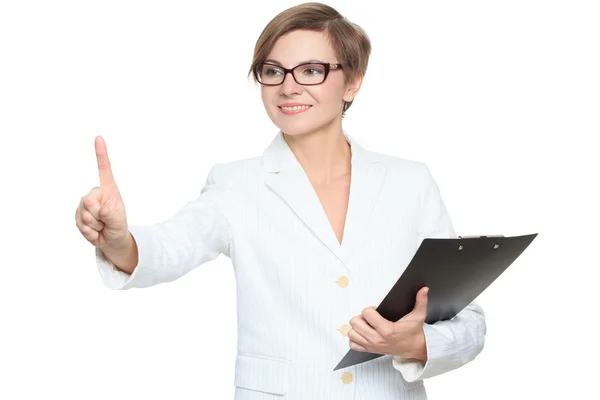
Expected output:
(401, 169)
(230, 173)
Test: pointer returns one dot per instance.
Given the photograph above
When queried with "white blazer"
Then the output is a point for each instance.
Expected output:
(297, 287)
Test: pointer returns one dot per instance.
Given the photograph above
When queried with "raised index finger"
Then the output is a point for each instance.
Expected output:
(106, 176)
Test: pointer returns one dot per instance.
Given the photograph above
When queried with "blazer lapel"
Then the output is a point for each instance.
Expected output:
(366, 183)
(286, 177)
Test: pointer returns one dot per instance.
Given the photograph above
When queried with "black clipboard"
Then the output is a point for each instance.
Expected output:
(456, 270)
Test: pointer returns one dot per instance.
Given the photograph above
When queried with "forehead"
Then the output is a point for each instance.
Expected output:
(300, 46)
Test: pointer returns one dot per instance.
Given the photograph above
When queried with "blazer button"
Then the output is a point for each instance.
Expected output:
(344, 329)
(343, 281)
(347, 377)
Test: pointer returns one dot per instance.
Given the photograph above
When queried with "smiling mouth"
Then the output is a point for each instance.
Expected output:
(295, 108)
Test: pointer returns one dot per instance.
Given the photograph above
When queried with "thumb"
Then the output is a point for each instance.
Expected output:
(106, 212)
(419, 312)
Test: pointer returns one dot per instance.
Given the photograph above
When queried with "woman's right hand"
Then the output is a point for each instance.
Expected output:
(100, 216)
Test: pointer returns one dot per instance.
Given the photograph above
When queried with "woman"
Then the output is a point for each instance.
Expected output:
(317, 228)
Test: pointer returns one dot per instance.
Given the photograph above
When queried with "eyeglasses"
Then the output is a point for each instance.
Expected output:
(304, 74)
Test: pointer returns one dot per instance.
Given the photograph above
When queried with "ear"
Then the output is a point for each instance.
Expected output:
(352, 88)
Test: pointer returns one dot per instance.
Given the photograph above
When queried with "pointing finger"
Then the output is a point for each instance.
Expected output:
(106, 175)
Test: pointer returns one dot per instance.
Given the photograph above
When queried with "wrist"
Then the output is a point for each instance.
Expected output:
(120, 245)
(420, 347)
(123, 255)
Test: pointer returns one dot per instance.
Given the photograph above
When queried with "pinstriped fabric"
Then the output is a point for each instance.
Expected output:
(274, 378)
(263, 213)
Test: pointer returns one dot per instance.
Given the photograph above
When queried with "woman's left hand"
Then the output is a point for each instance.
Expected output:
(374, 334)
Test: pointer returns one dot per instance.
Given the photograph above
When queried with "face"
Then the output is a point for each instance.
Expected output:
(325, 101)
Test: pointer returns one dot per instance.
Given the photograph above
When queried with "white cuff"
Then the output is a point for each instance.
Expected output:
(116, 279)
(410, 368)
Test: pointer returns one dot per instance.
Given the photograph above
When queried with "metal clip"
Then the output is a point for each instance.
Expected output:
(479, 236)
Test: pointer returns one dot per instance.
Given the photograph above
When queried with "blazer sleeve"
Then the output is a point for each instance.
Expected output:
(455, 342)
(197, 233)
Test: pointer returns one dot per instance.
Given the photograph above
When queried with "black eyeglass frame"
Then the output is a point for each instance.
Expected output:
(328, 67)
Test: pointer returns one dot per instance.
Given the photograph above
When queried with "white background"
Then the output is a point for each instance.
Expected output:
(501, 99)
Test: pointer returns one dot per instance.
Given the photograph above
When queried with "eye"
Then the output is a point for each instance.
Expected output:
(313, 70)
(271, 71)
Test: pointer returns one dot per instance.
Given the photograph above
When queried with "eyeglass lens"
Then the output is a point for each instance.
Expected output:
(305, 74)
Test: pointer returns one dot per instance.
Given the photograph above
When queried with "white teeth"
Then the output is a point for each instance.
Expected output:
(294, 108)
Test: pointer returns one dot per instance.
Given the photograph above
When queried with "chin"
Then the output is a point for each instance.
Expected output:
(299, 126)
(292, 130)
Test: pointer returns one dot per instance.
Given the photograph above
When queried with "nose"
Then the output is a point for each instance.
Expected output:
(289, 86)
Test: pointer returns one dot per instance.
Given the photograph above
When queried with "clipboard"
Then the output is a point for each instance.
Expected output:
(456, 270)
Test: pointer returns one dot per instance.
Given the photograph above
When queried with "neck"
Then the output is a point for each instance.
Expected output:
(325, 155)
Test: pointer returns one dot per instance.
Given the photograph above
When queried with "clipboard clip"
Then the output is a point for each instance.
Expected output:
(479, 236)
(460, 247)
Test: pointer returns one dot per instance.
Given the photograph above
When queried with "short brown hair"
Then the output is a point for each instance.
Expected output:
(349, 41)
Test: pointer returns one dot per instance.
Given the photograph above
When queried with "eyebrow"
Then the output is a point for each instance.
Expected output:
(302, 62)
